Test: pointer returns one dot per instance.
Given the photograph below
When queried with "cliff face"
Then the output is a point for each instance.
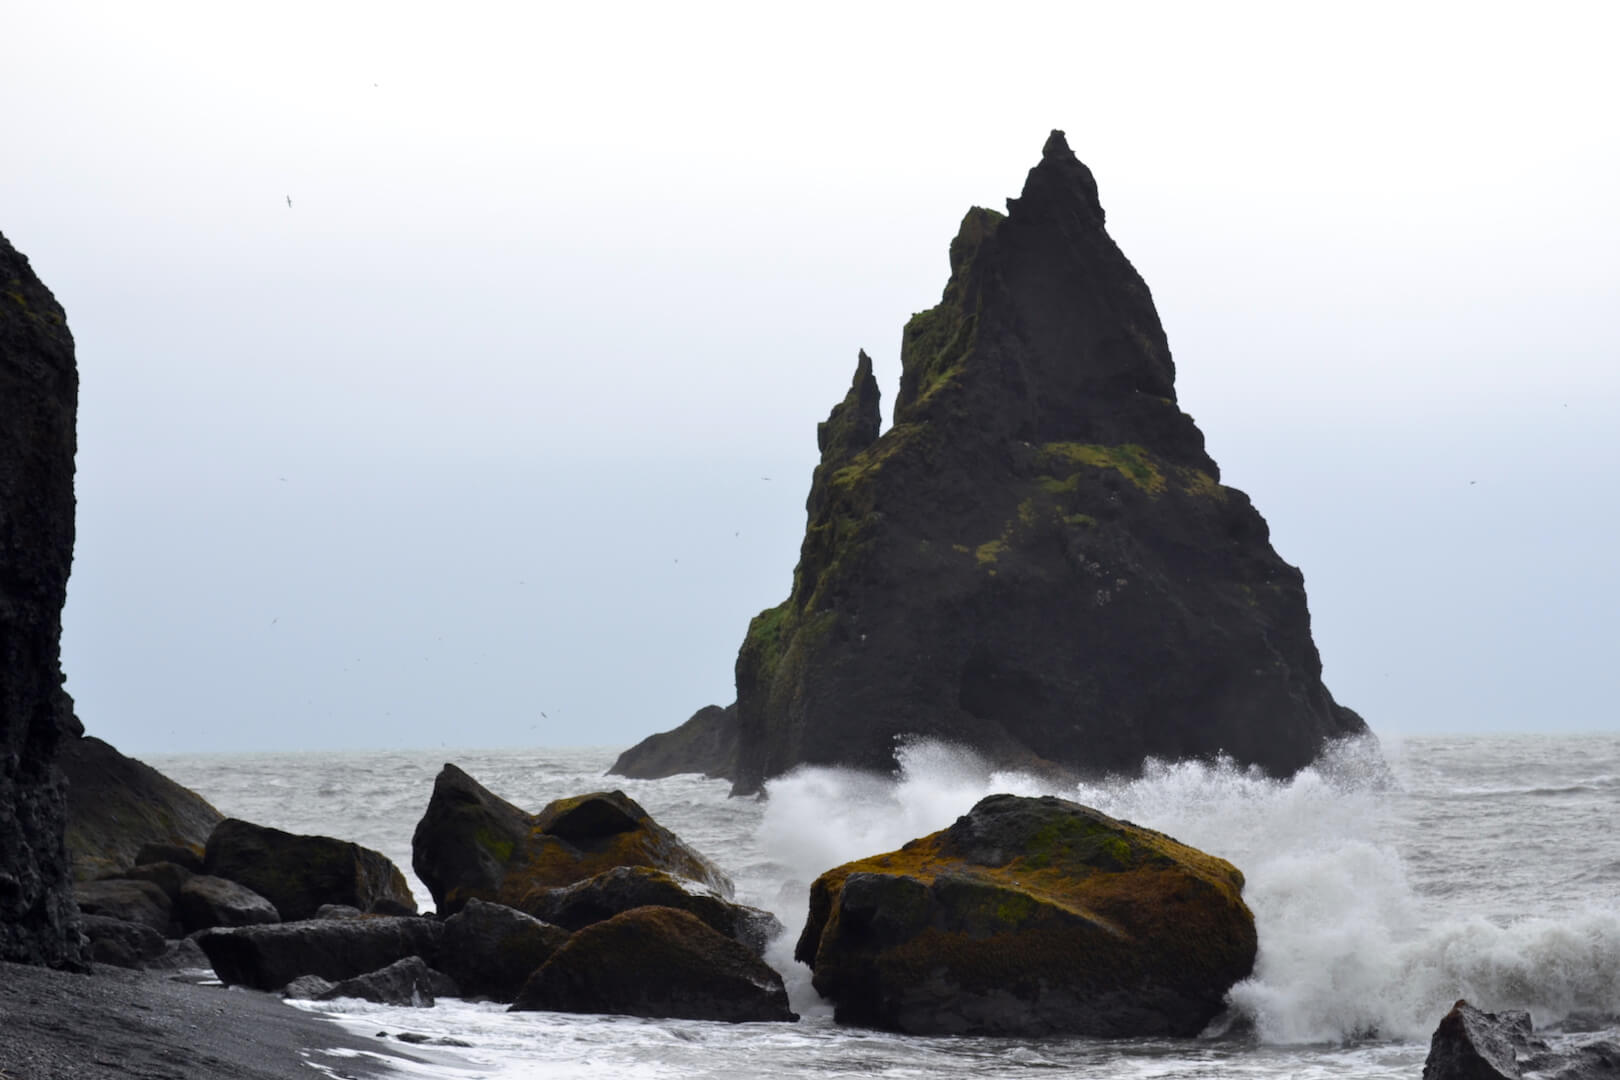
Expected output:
(1038, 560)
(38, 399)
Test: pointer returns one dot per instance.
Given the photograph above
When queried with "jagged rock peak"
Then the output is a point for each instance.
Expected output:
(853, 424)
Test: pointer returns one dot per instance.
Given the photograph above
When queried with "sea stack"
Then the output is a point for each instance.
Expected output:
(39, 389)
(1037, 560)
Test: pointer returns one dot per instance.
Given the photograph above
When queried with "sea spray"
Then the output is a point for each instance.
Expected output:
(1348, 947)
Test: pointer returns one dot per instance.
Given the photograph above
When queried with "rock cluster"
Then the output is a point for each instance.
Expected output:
(1472, 1044)
(39, 386)
(118, 806)
(1038, 559)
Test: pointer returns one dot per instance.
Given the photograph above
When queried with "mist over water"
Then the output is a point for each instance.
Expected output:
(1386, 881)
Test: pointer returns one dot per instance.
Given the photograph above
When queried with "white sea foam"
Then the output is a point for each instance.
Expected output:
(1348, 948)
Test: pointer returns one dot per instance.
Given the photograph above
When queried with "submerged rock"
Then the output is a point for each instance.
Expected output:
(1031, 917)
(1037, 560)
(298, 874)
(656, 961)
(408, 982)
(472, 843)
(124, 813)
(39, 391)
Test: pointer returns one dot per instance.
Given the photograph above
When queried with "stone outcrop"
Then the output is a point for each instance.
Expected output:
(472, 843)
(298, 874)
(408, 982)
(706, 743)
(1031, 916)
(656, 961)
(270, 957)
(118, 806)
(1038, 559)
(39, 391)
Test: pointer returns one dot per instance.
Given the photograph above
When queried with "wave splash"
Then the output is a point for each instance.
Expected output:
(1349, 949)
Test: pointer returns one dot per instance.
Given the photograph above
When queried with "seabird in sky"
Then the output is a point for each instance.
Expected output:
(289, 202)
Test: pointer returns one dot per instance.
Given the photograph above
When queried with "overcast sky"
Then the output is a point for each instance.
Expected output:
(501, 431)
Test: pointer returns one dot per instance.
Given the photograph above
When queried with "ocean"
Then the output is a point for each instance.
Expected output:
(1386, 881)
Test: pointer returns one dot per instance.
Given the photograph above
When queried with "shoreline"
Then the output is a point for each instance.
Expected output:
(118, 1023)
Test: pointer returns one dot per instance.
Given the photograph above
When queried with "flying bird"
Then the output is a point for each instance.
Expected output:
(289, 202)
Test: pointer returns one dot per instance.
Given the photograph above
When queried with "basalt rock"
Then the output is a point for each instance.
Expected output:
(298, 874)
(121, 943)
(205, 901)
(657, 961)
(706, 743)
(598, 898)
(39, 390)
(1031, 917)
(270, 957)
(472, 843)
(1038, 559)
(132, 901)
(1472, 1044)
(491, 949)
(408, 982)
(122, 812)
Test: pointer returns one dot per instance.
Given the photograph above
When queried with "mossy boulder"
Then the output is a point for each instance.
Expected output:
(298, 874)
(661, 962)
(1031, 917)
(624, 887)
(472, 843)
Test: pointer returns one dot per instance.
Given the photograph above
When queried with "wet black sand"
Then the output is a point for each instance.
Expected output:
(118, 1023)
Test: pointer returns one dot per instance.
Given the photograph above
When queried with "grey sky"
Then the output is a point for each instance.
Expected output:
(469, 445)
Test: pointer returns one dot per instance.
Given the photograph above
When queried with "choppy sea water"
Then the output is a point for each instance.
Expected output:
(1386, 882)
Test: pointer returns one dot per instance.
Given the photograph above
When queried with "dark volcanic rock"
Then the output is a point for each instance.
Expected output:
(706, 743)
(1471, 1044)
(472, 843)
(408, 982)
(119, 807)
(1031, 917)
(121, 943)
(133, 901)
(270, 957)
(655, 961)
(300, 873)
(595, 899)
(39, 392)
(490, 950)
(206, 900)
(1038, 559)
(167, 876)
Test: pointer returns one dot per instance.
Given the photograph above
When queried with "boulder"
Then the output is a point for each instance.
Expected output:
(167, 876)
(121, 943)
(657, 962)
(613, 891)
(706, 743)
(187, 856)
(472, 843)
(1037, 560)
(307, 988)
(206, 900)
(408, 982)
(300, 873)
(270, 957)
(1031, 917)
(1471, 1044)
(183, 954)
(491, 949)
(132, 901)
(39, 391)
(118, 806)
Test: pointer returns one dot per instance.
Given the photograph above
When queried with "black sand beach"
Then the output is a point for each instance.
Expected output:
(120, 1024)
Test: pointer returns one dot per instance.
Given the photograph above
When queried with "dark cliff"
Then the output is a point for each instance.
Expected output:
(38, 400)
(1038, 559)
